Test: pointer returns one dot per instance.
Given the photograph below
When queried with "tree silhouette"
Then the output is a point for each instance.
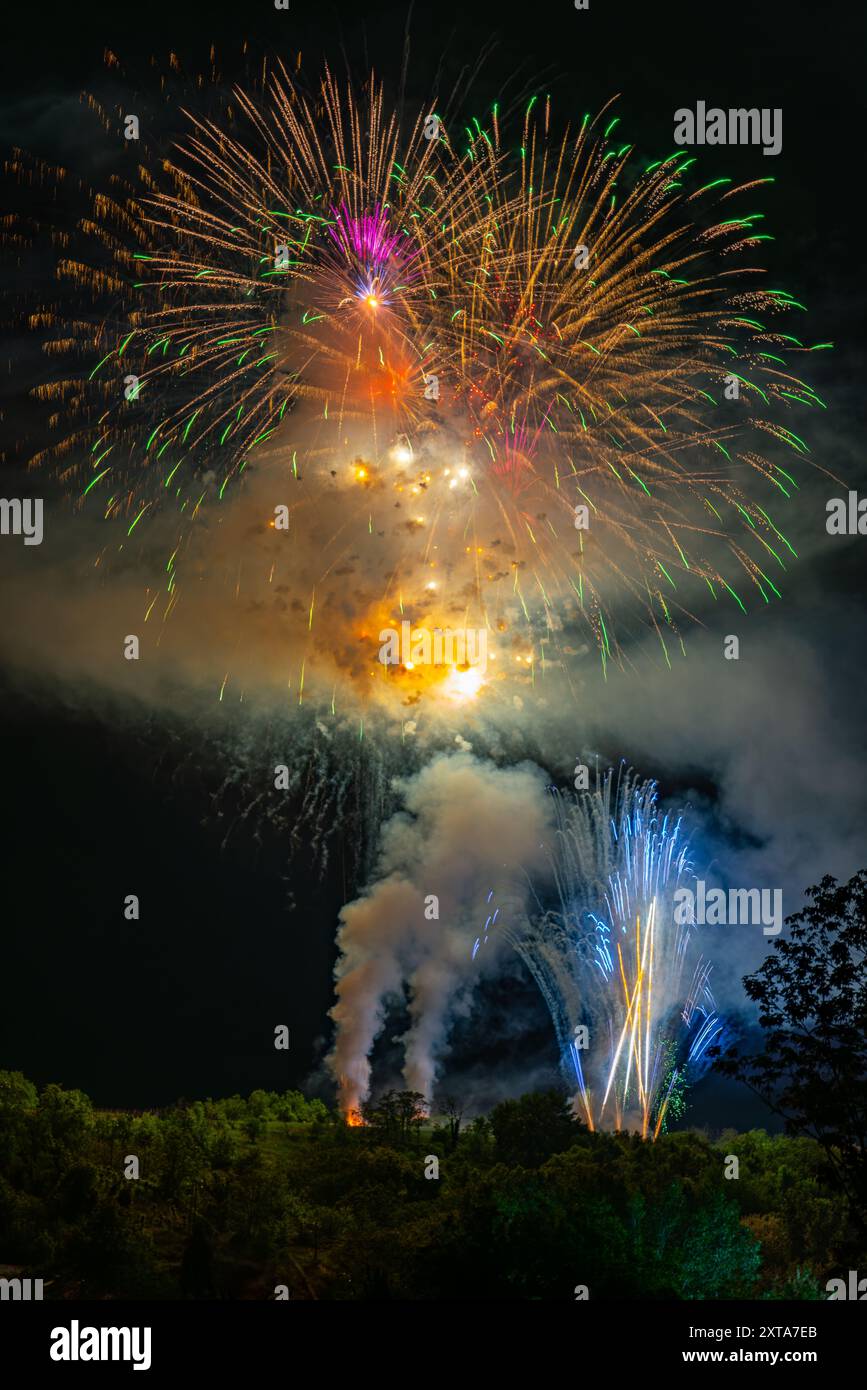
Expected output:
(453, 1109)
(812, 996)
(533, 1127)
(396, 1117)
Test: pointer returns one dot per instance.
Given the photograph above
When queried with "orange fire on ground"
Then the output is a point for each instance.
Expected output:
(353, 1118)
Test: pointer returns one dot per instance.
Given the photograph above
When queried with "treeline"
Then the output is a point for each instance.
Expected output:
(238, 1198)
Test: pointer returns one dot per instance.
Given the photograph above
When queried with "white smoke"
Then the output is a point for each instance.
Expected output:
(467, 827)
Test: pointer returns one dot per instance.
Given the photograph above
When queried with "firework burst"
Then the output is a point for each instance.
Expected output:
(494, 358)
(612, 961)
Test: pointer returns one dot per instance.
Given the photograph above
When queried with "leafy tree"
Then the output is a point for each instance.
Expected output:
(454, 1113)
(18, 1101)
(183, 1156)
(719, 1257)
(61, 1125)
(477, 1144)
(254, 1128)
(111, 1255)
(529, 1130)
(396, 1116)
(812, 996)
(312, 1222)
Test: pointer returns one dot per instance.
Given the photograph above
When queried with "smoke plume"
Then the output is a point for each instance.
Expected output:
(467, 828)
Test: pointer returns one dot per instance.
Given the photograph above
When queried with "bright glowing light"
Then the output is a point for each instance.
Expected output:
(615, 958)
(465, 684)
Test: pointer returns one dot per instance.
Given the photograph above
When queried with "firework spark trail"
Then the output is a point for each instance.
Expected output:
(612, 959)
(287, 283)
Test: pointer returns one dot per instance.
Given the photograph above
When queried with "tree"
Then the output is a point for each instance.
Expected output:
(196, 1275)
(454, 1112)
(111, 1255)
(258, 1104)
(529, 1130)
(411, 1113)
(812, 996)
(18, 1101)
(183, 1158)
(396, 1116)
(61, 1127)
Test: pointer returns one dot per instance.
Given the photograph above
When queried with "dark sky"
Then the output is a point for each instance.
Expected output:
(186, 1001)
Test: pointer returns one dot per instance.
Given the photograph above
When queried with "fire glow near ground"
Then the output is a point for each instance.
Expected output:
(323, 373)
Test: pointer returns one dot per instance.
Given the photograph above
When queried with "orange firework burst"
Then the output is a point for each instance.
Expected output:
(567, 359)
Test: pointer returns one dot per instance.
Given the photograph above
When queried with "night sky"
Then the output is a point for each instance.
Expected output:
(107, 797)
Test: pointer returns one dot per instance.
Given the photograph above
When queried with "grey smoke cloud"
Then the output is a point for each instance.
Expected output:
(466, 826)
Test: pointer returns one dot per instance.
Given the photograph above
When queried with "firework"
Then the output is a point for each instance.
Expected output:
(612, 961)
(482, 370)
